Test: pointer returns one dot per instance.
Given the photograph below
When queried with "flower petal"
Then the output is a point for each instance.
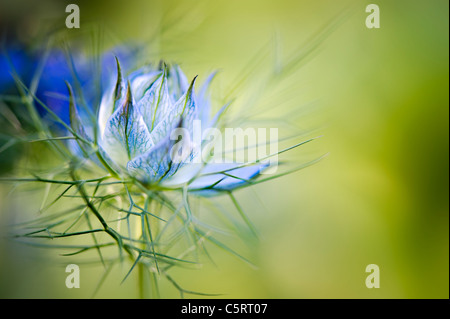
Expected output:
(126, 135)
(154, 164)
(178, 83)
(113, 98)
(204, 101)
(224, 177)
(156, 102)
(213, 178)
(184, 109)
(141, 82)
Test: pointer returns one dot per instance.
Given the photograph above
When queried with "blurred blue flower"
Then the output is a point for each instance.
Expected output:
(58, 67)
(23, 63)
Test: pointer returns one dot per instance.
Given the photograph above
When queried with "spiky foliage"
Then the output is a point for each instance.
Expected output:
(118, 210)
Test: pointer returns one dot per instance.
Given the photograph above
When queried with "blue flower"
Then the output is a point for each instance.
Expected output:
(22, 62)
(134, 125)
(57, 67)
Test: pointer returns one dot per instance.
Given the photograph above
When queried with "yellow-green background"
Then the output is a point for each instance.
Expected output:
(381, 196)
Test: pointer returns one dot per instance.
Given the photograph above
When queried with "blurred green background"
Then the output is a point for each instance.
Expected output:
(380, 102)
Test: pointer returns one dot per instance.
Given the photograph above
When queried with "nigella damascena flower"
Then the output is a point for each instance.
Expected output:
(134, 129)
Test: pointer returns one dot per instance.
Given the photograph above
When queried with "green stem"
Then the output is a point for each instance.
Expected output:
(141, 280)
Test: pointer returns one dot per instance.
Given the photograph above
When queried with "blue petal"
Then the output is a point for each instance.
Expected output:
(204, 100)
(178, 83)
(224, 177)
(184, 110)
(154, 165)
(78, 148)
(156, 102)
(111, 101)
(214, 178)
(126, 135)
(141, 81)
